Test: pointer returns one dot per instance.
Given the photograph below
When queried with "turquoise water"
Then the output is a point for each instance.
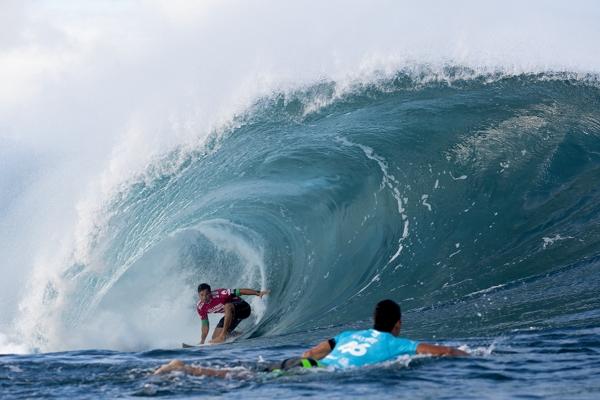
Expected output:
(472, 201)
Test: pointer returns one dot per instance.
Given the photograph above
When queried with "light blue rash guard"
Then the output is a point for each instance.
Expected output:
(358, 348)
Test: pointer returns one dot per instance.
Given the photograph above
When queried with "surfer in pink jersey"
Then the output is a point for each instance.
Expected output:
(223, 301)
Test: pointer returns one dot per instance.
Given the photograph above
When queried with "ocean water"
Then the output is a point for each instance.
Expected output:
(468, 194)
(554, 363)
(474, 204)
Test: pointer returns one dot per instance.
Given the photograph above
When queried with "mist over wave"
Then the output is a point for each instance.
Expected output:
(452, 167)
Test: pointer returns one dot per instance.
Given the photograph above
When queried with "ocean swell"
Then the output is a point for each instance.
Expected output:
(470, 198)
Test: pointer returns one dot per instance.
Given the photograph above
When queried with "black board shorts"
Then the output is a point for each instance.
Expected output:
(291, 363)
(241, 311)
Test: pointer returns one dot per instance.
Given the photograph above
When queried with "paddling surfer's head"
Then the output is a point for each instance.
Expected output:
(387, 317)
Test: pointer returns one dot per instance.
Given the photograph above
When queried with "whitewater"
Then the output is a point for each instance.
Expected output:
(446, 156)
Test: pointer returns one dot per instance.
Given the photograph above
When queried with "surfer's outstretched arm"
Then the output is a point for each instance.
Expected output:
(435, 350)
(319, 351)
(178, 365)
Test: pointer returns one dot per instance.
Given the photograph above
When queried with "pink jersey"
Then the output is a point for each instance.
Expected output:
(217, 304)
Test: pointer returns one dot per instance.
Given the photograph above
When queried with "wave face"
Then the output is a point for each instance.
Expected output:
(473, 201)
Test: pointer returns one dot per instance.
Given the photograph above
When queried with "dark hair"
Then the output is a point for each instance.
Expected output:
(386, 314)
(203, 286)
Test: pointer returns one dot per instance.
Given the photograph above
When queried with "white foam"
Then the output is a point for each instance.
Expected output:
(12, 345)
(479, 351)
(490, 289)
(549, 241)
(424, 201)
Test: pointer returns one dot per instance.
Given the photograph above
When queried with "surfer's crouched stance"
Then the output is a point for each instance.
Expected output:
(348, 349)
(228, 302)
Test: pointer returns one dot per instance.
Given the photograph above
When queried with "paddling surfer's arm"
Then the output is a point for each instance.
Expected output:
(435, 350)
(252, 292)
(204, 330)
(320, 351)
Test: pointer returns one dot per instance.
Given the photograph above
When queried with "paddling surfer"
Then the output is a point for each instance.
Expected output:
(348, 349)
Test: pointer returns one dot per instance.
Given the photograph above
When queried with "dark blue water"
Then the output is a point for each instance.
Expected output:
(473, 202)
(554, 363)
